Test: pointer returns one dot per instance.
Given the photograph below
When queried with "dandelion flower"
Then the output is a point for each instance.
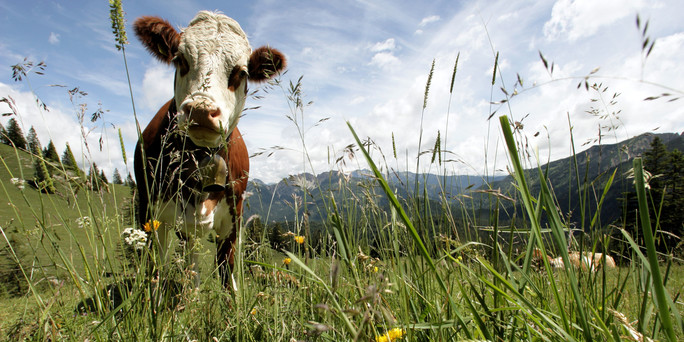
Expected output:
(152, 225)
(392, 335)
(287, 261)
(253, 312)
(299, 239)
(375, 269)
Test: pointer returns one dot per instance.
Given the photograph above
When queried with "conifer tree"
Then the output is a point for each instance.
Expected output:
(51, 158)
(275, 237)
(33, 142)
(103, 177)
(69, 160)
(655, 162)
(131, 183)
(3, 135)
(15, 134)
(42, 179)
(51, 154)
(116, 177)
(94, 177)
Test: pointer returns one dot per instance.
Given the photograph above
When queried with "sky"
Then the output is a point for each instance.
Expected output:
(365, 62)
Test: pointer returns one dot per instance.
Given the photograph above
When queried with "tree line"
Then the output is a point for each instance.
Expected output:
(48, 163)
(665, 193)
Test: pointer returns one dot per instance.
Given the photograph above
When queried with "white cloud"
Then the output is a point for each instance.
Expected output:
(61, 126)
(54, 38)
(385, 60)
(387, 45)
(428, 20)
(575, 19)
(157, 86)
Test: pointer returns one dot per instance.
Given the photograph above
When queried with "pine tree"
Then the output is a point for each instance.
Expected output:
(103, 177)
(674, 175)
(655, 162)
(255, 230)
(275, 237)
(672, 216)
(15, 134)
(51, 153)
(42, 179)
(94, 177)
(116, 177)
(51, 158)
(3, 135)
(131, 183)
(33, 142)
(69, 161)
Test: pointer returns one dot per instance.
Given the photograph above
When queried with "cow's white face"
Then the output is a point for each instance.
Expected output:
(213, 61)
(211, 77)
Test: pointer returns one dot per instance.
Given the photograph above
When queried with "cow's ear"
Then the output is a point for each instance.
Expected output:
(264, 63)
(158, 36)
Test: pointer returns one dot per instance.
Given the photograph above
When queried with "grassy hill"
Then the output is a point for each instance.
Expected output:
(40, 224)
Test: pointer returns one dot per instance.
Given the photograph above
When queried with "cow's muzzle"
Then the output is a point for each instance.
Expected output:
(203, 115)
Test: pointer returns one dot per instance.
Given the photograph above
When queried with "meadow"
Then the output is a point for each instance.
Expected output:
(386, 268)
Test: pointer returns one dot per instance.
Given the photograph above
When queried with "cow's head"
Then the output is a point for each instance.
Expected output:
(213, 61)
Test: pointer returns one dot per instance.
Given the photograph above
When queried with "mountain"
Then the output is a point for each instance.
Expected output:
(279, 201)
(594, 167)
(276, 202)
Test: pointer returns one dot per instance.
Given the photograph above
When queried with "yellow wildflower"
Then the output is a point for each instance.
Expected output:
(149, 226)
(393, 334)
(253, 312)
(299, 239)
(287, 261)
(375, 269)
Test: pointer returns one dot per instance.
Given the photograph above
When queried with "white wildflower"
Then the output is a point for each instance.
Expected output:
(18, 182)
(134, 238)
(84, 222)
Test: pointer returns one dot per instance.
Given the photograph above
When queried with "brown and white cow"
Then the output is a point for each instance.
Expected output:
(213, 62)
(584, 261)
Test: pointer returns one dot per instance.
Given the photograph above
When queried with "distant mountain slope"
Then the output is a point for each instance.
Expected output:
(595, 166)
(276, 201)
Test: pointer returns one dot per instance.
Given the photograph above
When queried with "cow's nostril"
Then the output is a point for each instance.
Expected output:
(215, 113)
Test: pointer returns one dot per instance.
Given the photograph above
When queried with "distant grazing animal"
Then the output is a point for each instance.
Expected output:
(213, 62)
(586, 260)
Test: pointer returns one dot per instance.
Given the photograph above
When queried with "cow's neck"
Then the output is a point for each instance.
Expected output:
(183, 157)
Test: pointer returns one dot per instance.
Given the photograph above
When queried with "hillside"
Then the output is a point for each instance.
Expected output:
(35, 218)
(595, 165)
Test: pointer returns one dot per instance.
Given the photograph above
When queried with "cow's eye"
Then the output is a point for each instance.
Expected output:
(181, 64)
(237, 76)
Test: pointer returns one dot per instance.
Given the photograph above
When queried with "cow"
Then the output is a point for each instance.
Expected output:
(584, 261)
(213, 61)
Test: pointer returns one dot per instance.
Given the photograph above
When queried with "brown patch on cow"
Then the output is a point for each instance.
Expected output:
(264, 63)
(211, 202)
(158, 36)
(160, 121)
(237, 76)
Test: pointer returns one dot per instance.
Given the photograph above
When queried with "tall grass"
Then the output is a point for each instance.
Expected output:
(387, 267)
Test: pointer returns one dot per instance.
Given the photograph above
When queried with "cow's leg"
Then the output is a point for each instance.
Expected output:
(194, 245)
(225, 257)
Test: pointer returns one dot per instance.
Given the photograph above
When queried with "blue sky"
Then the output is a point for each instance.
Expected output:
(366, 62)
